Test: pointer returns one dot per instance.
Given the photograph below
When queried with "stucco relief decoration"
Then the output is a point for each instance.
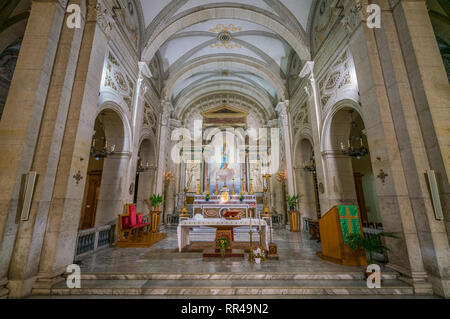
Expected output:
(117, 80)
(194, 110)
(96, 11)
(224, 37)
(337, 78)
(354, 15)
(149, 116)
(325, 17)
(126, 14)
(300, 118)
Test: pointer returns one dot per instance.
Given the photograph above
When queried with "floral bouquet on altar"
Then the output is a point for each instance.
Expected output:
(230, 215)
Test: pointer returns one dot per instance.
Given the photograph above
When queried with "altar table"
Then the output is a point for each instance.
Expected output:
(185, 225)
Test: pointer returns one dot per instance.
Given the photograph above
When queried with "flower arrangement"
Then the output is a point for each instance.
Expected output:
(241, 198)
(207, 197)
(222, 242)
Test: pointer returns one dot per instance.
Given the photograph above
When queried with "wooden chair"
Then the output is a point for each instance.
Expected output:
(131, 225)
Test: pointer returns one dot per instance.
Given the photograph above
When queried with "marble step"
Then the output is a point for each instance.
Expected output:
(235, 276)
(230, 288)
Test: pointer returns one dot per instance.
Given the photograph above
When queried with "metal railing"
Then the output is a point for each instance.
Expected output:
(93, 239)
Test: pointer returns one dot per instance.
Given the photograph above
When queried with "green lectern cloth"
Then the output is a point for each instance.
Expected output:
(348, 215)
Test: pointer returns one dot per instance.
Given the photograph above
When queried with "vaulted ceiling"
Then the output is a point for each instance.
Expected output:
(247, 45)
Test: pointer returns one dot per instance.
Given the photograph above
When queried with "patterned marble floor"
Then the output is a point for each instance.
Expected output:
(297, 254)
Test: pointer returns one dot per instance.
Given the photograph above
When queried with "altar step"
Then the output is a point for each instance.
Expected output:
(231, 284)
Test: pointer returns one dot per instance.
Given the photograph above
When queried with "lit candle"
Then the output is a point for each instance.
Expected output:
(342, 146)
(93, 142)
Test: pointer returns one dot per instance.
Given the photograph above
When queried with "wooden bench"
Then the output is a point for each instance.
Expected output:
(132, 229)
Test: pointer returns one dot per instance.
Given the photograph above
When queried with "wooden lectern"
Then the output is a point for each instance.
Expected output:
(334, 227)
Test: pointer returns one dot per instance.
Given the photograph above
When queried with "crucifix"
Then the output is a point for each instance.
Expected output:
(382, 175)
(78, 177)
(349, 219)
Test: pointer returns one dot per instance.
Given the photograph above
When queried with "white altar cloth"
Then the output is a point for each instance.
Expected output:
(185, 225)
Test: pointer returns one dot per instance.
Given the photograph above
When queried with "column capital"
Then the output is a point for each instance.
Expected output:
(308, 68)
(174, 123)
(282, 107)
(144, 70)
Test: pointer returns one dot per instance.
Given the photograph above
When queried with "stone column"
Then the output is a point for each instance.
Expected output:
(431, 95)
(315, 118)
(65, 207)
(171, 167)
(377, 64)
(137, 121)
(282, 109)
(29, 137)
(419, 96)
(164, 136)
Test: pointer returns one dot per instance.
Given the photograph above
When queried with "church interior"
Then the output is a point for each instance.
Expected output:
(257, 148)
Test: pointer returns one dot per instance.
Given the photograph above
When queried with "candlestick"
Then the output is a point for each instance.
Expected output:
(261, 247)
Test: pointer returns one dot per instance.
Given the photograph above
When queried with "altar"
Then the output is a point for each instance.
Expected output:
(184, 227)
(215, 206)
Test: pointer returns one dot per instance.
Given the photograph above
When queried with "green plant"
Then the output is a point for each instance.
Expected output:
(292, 201)
(222, 242)
(156, 200)
(370, 243)
(241, 198)
(207, 197)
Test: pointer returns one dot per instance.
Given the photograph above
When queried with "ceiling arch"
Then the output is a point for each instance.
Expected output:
(237, 100)
(186, 101)
(246, 46)
(211, 63)
(241, 13)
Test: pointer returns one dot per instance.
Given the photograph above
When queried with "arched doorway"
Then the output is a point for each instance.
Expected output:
(103, 195)
(350, 174)
(145, 176)
(306, 180)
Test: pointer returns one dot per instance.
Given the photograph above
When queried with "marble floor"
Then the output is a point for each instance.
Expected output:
(297, 254)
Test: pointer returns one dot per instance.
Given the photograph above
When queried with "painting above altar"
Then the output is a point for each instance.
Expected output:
(224, 165)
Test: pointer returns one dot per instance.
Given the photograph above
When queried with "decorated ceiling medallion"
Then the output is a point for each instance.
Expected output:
(223, 28)
(224, 36)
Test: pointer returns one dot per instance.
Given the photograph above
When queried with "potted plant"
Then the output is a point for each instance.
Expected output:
(292, 201)
(207, 197)
(156, 200)
(241, 198)
(223, 242)
(370, 244)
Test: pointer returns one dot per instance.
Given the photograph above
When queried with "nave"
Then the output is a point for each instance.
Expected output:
(160, 271)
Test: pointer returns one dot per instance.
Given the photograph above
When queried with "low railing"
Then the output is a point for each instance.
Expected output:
(93, 239)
